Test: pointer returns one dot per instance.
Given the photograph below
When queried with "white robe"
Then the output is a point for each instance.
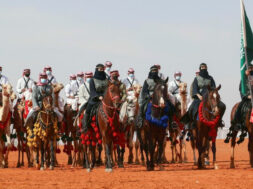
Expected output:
(129, 82)
(71, 89)
(84, 93)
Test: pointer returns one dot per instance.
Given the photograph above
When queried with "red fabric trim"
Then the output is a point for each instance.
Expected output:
(3, 124)
(210, 123)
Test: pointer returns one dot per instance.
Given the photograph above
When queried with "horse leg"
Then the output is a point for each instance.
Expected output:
(207, 160)
(1, 154)
(160, 153)
(42, 154)
(250, 148)
(137, 147)
(52, 153)
(108, 149)
(23, 149)
(173, 149)
(233, 142)
(193, 145)
(74, 163)
(19, 149)
(99, 161)
(8, 137)
(130, 147)
(200, 143)
(86, 158)
(214, 155)
(151, 153)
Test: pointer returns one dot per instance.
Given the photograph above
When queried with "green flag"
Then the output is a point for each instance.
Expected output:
(246, 47)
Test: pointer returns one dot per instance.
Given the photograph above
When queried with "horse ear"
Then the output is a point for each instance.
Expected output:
(218, 88)
(166, 80)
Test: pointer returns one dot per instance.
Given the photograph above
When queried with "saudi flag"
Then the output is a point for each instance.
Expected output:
(246, 46)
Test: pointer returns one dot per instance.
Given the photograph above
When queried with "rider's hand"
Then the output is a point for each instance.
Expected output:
(23, 90)
(199, 96)
(72, 97)
(30, 90)
(100, 98)
(249, 97)
(36, 108)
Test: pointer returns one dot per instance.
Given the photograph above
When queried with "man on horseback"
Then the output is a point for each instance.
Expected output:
(173, 87)
(238, 123)
(108, 66)
(114, 77)
(51, 79)
(200, 88)
(98, 85)
(80, 79)
(3, 79)
(130, 81)
(71, 92)
(147, 92)
(24, 83)
(84, 91)
(40, 90)
(161, 75)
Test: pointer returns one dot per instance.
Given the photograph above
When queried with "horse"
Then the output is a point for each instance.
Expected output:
(207, 125)
(5, 121)
(234, 132)
(70, 134)
(109, 125)
(128, 113)
(45, 132)
(21, 110)
(153, 131)
(176, 129)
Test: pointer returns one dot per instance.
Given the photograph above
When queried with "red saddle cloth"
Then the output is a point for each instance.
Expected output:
(26, 112)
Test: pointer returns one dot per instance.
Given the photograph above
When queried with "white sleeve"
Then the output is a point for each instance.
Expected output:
(18, 88)
(67, 90)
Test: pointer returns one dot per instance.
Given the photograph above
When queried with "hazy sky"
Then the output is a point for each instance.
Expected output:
(75, 35)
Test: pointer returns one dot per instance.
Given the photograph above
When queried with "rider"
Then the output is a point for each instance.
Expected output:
(84, 91)
(114, 77)
(24, 83)
(3, 79)
(108, 66)
(147, 92)
(238, 123)
(159, 73)
(173, 87)
(130, 81)
(80, 79)
(51, 79)
(199, 88)
(71, 92)
(98, 86)
(40, 90)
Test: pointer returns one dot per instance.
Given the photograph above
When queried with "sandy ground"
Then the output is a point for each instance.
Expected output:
(135, 176)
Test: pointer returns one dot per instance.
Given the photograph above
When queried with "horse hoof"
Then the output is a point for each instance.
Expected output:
(42, 168)
(195, 163)
(18, 165)
(37, 166)
(51, 167)
(108, 170)
(232, 166)
(88, 170)
(207, 163)
(216, 167)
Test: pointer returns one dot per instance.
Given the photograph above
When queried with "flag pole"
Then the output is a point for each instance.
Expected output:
(245, 47)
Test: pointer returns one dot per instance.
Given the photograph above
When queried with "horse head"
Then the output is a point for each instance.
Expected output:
(57, 87)
(160, 93)
(113, 92)
(183, 88)
(7, 90)
(47, 103)
(137, 89)
(212, 98)
(131, 106)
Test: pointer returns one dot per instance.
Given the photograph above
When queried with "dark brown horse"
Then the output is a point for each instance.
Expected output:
(207, 125)
(152, 134)
(234, 133)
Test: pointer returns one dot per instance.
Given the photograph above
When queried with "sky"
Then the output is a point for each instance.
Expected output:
(75, 35)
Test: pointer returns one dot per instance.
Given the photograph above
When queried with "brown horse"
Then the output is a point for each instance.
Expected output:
(207, 125)
(45, 132)
(109, 125)
(234, 133)
(153, 132)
